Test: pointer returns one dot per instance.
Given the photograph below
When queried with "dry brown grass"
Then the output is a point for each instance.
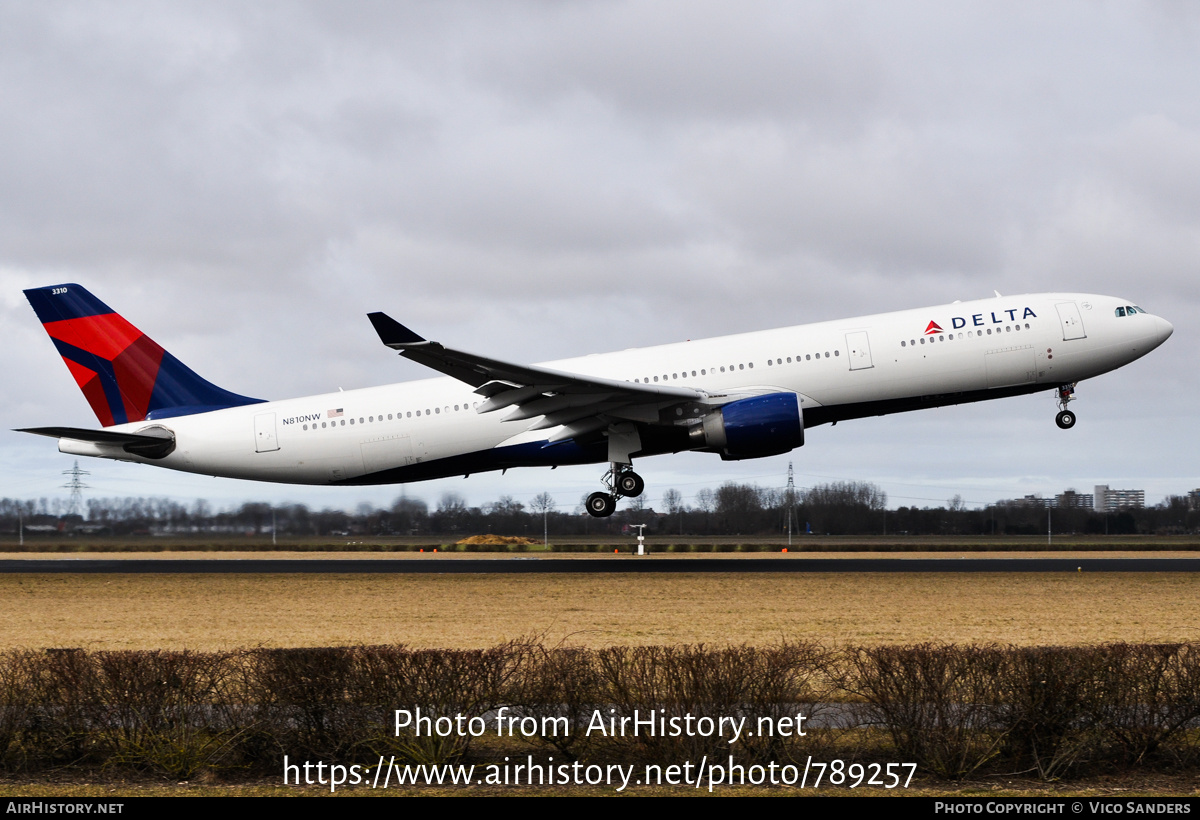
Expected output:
(211, 612)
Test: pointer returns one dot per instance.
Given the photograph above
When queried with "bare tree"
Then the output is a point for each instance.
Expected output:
(706, 500)
(543, 503)
(673, 503)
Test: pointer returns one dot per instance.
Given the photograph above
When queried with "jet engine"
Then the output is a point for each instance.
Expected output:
(751, 428)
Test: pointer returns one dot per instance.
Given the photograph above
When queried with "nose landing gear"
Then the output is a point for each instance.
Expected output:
(621, 482)
(1065, 418)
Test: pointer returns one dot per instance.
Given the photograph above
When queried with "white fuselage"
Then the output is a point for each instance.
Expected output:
(841, 369)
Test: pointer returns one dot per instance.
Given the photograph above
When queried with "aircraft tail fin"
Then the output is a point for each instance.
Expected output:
(123, 373)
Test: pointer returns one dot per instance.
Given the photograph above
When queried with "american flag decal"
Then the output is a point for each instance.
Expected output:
(333, 414)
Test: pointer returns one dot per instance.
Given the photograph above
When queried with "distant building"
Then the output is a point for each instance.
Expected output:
(1036, 501)
(1071, 500)
(1194, 500)
(1107, 500)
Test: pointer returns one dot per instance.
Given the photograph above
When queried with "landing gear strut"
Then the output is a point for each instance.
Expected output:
(1065, 418)
(621, 482)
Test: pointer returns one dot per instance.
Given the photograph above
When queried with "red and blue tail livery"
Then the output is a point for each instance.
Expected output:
(124, 374)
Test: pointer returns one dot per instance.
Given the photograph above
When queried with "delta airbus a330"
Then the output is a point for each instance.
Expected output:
(743, 396)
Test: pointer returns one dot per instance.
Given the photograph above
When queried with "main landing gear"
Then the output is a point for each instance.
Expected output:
(622, 482)
(1065, 418)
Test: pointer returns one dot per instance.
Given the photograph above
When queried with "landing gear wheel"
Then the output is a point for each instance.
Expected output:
(601, 505)
(1065, 419)
(630, 484)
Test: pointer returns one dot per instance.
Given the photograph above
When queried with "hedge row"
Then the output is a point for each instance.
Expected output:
(954, 710)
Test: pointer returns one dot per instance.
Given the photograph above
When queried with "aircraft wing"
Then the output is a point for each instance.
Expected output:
(579, 404)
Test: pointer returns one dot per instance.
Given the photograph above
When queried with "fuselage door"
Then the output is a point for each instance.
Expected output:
(1072, 322)
(859, 349)
(264, 433)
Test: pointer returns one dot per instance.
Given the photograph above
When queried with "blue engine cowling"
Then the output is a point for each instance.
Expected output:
(752, 428)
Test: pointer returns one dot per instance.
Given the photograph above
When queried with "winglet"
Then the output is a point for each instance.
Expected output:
(392, 333)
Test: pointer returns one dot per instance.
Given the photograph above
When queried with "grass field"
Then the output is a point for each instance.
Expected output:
(212, 612)
(226, 611)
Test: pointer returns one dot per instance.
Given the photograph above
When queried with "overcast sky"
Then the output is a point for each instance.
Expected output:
(245, 181)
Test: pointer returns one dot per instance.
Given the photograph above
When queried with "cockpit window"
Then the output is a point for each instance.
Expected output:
(1120, 311)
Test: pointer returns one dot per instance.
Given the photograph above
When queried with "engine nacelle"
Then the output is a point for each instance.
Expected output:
(752, 428)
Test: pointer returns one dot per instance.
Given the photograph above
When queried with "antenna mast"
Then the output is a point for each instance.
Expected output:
(791, 500)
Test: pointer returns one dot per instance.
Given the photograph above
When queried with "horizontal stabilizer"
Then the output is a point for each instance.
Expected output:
(154, 442)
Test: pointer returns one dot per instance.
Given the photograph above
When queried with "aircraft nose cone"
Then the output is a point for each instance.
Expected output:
(1165, 329)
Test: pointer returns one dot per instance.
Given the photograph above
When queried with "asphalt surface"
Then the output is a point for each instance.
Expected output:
(615, 563)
